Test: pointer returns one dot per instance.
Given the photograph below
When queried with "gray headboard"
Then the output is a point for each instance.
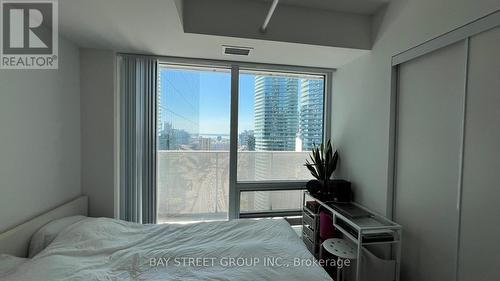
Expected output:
(16, 240)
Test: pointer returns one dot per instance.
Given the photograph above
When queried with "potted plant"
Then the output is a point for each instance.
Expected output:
(322, 164)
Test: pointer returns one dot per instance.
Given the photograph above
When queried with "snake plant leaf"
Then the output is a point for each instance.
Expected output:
(322, 161)
(321, 152)
(313, 171)
(332, 166)
(328, 153)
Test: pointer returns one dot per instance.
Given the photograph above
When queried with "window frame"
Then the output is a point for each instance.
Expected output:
(237, 187)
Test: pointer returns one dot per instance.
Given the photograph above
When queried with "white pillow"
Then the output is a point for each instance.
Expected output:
(8, 264)
(47, 233)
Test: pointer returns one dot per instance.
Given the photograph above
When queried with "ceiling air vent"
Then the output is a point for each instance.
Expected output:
(236, 50)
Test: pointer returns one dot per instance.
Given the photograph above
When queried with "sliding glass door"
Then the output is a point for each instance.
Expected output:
(275, 117)
(193, 143)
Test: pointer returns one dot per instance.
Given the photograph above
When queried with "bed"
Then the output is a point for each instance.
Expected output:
(109, 249)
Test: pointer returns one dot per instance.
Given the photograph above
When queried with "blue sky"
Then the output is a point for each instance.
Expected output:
(179, 92)
(215, 92)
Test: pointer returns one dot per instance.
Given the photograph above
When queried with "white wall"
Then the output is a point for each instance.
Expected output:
(361, 96)
(97, 68)
(39, 138)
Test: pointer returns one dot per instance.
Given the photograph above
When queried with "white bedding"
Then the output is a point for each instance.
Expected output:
(108, 249)
(47, 233)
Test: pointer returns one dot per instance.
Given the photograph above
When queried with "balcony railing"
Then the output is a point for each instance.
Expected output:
(194, 185)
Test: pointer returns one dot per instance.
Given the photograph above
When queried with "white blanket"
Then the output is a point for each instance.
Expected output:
(108, 249)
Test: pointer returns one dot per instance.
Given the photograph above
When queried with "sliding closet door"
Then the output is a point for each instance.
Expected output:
(429, 137)
(480, 224)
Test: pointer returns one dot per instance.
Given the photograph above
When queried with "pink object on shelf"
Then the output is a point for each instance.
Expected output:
(326, 229)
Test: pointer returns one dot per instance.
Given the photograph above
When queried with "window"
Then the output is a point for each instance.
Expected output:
(278, 117)
(193, 143)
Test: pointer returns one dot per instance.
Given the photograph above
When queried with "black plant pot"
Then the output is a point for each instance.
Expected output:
(314, 187)
(322, 190)
(336, 190)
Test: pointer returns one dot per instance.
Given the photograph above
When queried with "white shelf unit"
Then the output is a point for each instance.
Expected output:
(357, 230)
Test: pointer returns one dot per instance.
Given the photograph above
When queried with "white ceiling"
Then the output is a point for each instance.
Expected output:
(154, 27)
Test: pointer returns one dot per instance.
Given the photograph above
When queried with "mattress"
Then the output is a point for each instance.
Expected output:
(109, 249)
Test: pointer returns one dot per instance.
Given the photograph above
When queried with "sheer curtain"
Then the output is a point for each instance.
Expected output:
(138, 96)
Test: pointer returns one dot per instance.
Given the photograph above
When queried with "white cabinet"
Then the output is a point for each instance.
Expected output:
(479, 252)
(430, 124)
(447, 158)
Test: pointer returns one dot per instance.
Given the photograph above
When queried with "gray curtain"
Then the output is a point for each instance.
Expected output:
(138, 96)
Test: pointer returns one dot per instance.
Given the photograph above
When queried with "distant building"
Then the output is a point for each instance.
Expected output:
(276, 113)
(247, 140)
(222, 145)
(286, 114)
(251, 143)
(276, 125)
(172, 139)
(311, 112)
(288, 117)
(204, 143)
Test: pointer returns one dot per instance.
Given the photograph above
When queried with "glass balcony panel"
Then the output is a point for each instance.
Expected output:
(266, 201)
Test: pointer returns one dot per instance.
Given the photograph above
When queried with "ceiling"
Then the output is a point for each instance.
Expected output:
(363, 7)
(155, 27)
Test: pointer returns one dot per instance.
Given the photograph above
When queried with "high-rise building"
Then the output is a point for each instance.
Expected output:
(275, 128)
(276, 113)
(311, 112)
(288, 117)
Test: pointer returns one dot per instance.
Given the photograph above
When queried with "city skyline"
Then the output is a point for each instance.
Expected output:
(213, 90)
(284, 112)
